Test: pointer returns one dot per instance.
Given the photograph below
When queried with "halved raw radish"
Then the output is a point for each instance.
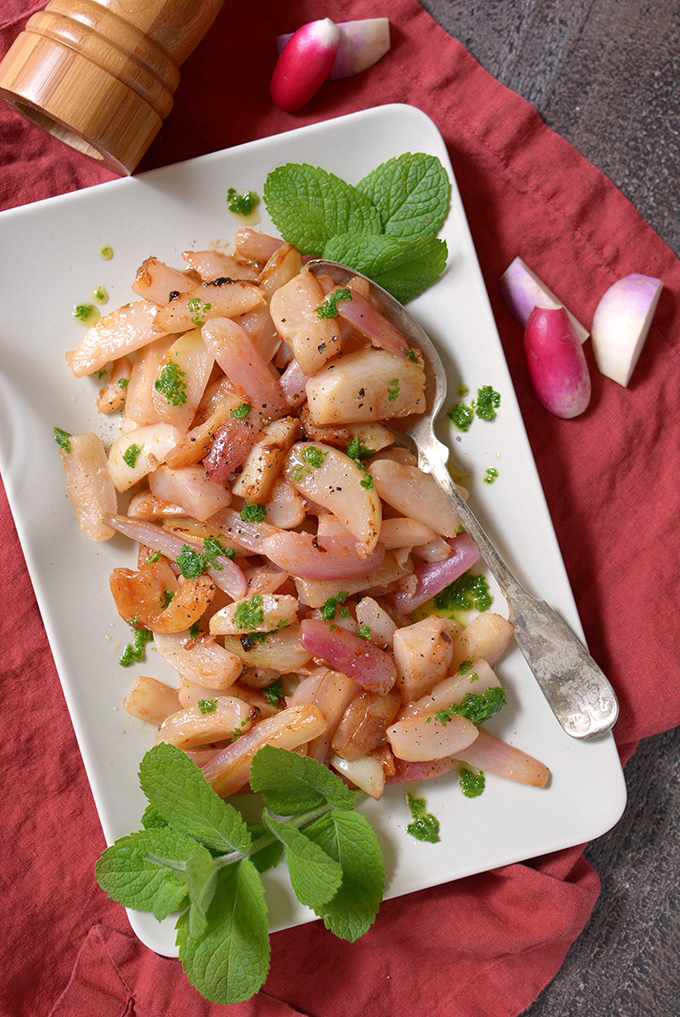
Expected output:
(367, 664)
(328, 477)
(557, 366)
(304, 64)
(89, 485)
(229, 770)
(522, 290)
(495, 756)
(621, 323)
(361, 44)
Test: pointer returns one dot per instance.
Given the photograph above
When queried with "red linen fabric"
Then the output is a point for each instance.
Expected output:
(485, 945)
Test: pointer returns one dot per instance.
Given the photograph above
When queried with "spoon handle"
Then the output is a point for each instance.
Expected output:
(576, 689)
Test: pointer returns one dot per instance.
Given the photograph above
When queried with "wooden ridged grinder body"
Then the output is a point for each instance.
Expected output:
(100, 75)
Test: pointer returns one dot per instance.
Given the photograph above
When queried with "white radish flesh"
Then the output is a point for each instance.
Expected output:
(362, 44)
(89, 485)
(522, 290)
(557, 366)
(621, 323)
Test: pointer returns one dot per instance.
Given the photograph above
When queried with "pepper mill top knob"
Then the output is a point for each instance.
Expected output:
(100, 75)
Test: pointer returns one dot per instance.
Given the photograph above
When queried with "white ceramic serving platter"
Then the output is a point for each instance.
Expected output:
(49, 262)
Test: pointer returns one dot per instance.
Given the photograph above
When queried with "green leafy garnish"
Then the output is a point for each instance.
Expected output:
(241, 411)
(385, 227)
(134, 652)
(468, 592)
(192, 563)
(198, 311)
(273, 693)
(252, 513)
(313, 456)
(471, 784)
(82, 311)
(62, 438)
(425, 826)
(329, 308)
(484, 406)
(242, 204)
(329, 606)
(171, 383)
(207, 705)
(197, 855)
(131, 454)
(478, 707)
(250, 614)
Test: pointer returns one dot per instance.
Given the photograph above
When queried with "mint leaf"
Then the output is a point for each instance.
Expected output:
(229, 962)
(349, 838)
(180, 793)
(201, 876)
(403, 267)
(268, 856)
(314, 875)
(152, 819)
(411, 192)
(292, 785)
(308, 205)
(145, 870)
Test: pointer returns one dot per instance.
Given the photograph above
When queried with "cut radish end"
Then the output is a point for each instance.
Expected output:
(362, 44)
(522, 290)
(304, 64)
(621, 323)
(557, 366)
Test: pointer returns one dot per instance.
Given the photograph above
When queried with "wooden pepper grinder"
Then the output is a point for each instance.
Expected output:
(100, 75)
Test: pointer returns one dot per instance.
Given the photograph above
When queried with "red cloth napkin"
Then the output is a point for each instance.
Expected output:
(482, 945)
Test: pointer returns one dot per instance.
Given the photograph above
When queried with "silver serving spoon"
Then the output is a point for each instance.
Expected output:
(576, 689)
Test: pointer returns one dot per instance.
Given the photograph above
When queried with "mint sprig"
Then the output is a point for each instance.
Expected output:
(197, 855)
(385, 227)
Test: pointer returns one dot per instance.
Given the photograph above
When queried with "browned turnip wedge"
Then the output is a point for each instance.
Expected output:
(158, 282)
(88, 484)
(207, 300)
(328, 477)
(115, 334)
(496, 756)
(156, 600)
(229, 770)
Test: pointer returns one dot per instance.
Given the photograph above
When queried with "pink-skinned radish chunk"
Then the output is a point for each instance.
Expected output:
(362, 44)
(621, 323)
(304, 64)
(522, 290)
(557, 366)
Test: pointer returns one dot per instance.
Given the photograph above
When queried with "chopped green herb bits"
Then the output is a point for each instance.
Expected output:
(62, 438)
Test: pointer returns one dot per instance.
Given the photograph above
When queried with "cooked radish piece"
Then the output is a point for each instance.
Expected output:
(621, 323)
(190, 487)
(284, 264)
(261, 612)
(368, 320)
(208, 300)
(264, 462)
(280, 651)
(415, 494)
(196, 444)
(422, 738)
(401, 531)
(229, 770)
(495, 756)
(285, 507)
(156, 600)
(181, 379)
(151, 700)
(315, 592)
(366, 773)
(210, 265)
(304, 64)
(112, 396)
(333, 695)
(115, 334)
(137, 453)
(158, 282)
(245, 367)
(259, 327)
(382, 628)
(255, 245)
(451, 691)
(200, 660)
(487, 637)
(366, 385)
(422, 654)
(230, 445)
(367, 664)
(364, 723)
(195, 726)
(316, 557)
(433, 576)
(557, 366)
(89, 485)
(330, 478)
(294, 310)
(139, 401)
(522, 290)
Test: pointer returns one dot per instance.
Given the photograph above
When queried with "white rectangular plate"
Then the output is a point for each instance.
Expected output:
(49, 262)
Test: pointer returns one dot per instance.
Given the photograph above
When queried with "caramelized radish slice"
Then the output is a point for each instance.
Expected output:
(139, 404)
(557, 366)
(422, 654)
(328, 558)
(315, 592)
(312, 339)
(415, 494)
(89, 485)
(115, 334)
(201, 661)
(367, 664)
(522, 290)
(262, 612)
(364, 723)
(229, 770)
(208, 300)
(181, 379)
(366, 385)
(112, 396)
(366, 773)
(333, 695)
(198, 442)
(280, 651)
(293, 384)
(285, 507)
(496, 756)
(252, 244)
(284, 264)
(621, 323)
(154, 598)
(158, 282)
(400, 531)
(419, 739)
(304, 64)
(368, 320)
(137, 453)
(150, 700)
(191, 488)
(428, 770)
(370, 613)
(241, 533)
(452, 690)
(245, 367)
(433, 576)
(231, 443)
(212, 265)
(330, 478)
(191, 727)
(265, 460)
(487, 637)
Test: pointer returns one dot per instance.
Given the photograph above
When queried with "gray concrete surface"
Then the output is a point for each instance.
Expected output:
(605, 74)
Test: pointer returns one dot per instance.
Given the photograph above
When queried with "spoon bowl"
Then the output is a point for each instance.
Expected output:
(574, 686)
